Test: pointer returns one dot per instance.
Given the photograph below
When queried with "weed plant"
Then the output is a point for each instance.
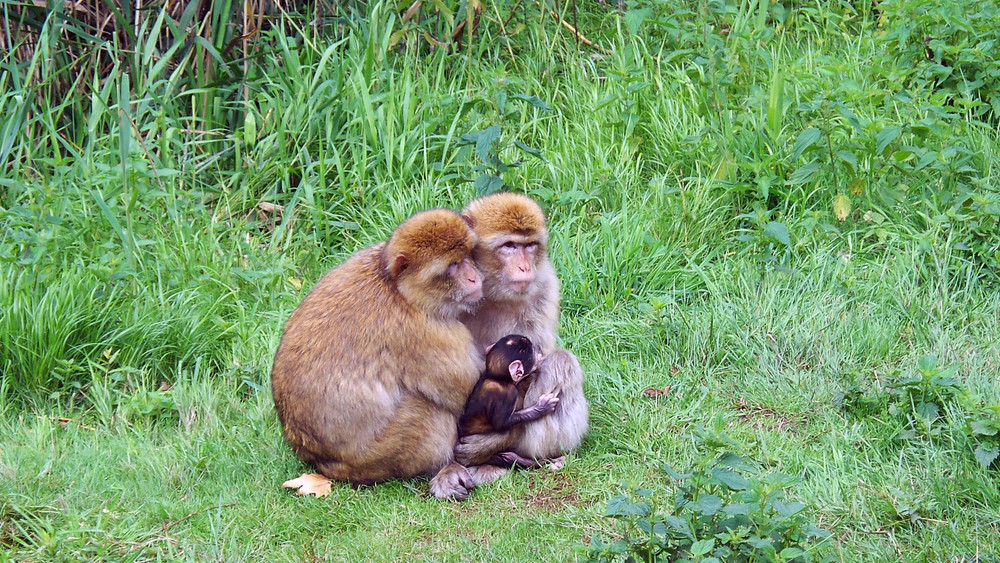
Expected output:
(754, 208)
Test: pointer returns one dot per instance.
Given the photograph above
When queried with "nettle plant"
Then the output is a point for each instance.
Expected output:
(716, 515)
(490, 145)
(983, 428)
(949, 47)
(918, 400)
(927, 393)
(921, 402)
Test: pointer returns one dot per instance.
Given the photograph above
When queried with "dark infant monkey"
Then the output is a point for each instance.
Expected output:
(496, 402)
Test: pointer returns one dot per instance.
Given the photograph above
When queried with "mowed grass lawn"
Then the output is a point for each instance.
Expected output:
(775, 228)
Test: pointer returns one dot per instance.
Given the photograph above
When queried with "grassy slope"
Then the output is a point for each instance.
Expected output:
(657, 292)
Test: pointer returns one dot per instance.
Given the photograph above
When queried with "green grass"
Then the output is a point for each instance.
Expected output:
(692, 225)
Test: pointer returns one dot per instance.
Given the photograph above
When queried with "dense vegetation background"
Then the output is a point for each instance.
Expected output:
(776, 226)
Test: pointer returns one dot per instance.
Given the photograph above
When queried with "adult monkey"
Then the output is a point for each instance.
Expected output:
(374, 367)
(521, 295)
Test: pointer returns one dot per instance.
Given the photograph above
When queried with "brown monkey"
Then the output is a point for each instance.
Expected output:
(495, 405)
(374, 368)
(521, 295)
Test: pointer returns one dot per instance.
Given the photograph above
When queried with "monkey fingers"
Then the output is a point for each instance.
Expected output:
(547, 402)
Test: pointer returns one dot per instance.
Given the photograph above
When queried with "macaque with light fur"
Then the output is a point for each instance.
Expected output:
(521, 295)
(374, 368)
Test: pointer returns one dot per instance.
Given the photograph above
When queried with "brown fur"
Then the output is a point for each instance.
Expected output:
(373, 369)
(532, 311)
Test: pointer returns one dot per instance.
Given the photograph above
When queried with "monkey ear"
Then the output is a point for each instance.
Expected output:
(399, 263)
(516, 371)
(469, 220)
(488, 348)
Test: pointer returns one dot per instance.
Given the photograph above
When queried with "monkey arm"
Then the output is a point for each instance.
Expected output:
(545, 405)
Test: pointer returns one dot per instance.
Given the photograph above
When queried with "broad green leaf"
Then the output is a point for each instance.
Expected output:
(488, 183)
(533, 100)
(778, 232)
(806, 139)
(789, 508)
(533, 152)
(616, 506)
(927, 362)
(738, 508)
(886, 136)
(680, 525)
(927, 411)
(803, 174)
(987, 455)
(848, 158)
(850, 117)
(902, 155)
(634, 19)
(980, 427)
(790, 553)
(701, 547)
(733, 461)
(670, 471)
(708, 504)
(484, 144)
(730, 478)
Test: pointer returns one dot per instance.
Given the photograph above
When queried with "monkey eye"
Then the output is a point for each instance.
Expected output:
(531, 247)
(509, 245)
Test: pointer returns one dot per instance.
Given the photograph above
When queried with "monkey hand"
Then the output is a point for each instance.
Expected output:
(547, 403)
(453, 482)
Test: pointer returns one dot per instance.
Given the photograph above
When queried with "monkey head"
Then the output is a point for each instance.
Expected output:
(513, 243)
(429, 259)
(513, 357)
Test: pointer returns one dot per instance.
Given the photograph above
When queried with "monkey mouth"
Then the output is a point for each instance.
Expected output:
(476, 297)
(519, 288)
(470, 305)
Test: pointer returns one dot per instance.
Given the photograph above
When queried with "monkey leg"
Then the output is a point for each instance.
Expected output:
(476, 449)
(486, 473)
(418, 440)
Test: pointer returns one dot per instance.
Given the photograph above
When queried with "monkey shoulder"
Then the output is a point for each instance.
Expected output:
(489, 406)
(501, 400)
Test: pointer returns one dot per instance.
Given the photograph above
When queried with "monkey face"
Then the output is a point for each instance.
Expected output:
(429, 259)
(467, 283)
(512, 244)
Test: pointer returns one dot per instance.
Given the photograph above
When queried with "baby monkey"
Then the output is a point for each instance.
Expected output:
(495, 404)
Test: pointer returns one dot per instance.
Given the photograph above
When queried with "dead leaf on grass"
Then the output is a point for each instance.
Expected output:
(656, 392)
(309, 484)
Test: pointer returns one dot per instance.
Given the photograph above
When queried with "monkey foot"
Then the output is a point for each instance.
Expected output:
(555, 464)
(309, 484)
(453, 483)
